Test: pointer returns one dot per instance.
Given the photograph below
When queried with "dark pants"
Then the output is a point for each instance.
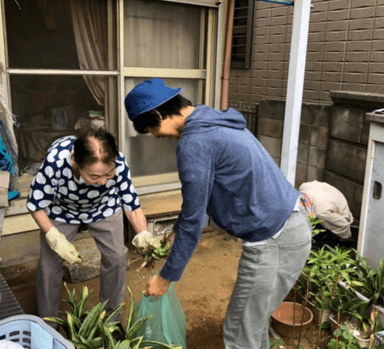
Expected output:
(109, 236)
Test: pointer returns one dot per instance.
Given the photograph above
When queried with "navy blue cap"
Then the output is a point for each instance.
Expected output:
(148, 95)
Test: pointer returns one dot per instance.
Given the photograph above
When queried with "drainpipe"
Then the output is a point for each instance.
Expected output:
(227, 55)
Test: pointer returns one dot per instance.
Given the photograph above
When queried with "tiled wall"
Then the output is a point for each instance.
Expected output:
(345, 51)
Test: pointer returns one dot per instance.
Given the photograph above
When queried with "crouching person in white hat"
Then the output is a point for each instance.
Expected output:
(83, 180)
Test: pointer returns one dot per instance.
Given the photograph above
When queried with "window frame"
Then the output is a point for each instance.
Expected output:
(211, 74)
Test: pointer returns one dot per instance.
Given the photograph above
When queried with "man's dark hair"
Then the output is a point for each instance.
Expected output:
(85, 152)
(168, 109)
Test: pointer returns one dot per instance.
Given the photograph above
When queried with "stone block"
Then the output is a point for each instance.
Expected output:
(304, 134)
(272, 145)
(315, 174)
(316, 157)
(301, 175)
(319, 136)
(306, 116)
(366, 101)
(357, 202)
(346, 159)
(272, 109)
(90, 267)
(347, 124)
(365, 132)
(302, 154)
(322, 114)
(270, 127)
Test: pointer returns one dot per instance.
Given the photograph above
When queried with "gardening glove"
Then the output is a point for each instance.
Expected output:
(145, 241)
(59, 243)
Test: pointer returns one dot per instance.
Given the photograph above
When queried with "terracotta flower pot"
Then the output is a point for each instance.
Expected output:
(287, 325)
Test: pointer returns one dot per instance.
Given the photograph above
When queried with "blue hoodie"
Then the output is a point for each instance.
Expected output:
(225, 171)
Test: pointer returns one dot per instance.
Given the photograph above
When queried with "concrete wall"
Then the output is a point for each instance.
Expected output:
(345, 51)
(313, 137)
(333, 141)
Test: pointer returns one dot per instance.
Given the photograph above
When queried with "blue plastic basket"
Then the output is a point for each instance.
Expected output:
(31, 332)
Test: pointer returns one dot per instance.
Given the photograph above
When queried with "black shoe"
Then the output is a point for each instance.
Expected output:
(119, 334)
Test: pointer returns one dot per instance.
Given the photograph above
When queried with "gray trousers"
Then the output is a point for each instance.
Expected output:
(109, 237)
(266, 274)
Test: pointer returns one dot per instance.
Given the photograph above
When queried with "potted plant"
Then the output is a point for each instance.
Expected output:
(320, 278)
(92, 329)
(353, 315)
(370, 283)
(343, 340)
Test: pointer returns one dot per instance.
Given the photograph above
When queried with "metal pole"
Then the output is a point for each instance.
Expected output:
(295, 88)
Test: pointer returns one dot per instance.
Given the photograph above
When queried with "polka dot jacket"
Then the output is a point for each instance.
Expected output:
(64, 198)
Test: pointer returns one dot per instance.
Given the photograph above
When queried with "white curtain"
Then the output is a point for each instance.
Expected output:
(90, 28)
(89, 19)
(158, 34)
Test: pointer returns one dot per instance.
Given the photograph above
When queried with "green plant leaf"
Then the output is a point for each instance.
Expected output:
(125, 344)
(91, 319)
(159, 345)
(136, 327)
(115, 311)
(56, 320)
(83, 299)
(324, 325)
(132, 312)
(109, 341)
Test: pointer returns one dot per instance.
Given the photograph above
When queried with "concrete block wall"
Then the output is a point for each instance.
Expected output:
(313, 137)
(345, 51)
(332, 146)
(347, 144)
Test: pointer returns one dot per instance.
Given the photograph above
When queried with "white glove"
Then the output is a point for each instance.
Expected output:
(59, 243)
(144, 240)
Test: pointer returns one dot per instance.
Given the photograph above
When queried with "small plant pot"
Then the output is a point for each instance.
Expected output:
(318, 318)
(287, 323)
(364, 343)
(381, 317)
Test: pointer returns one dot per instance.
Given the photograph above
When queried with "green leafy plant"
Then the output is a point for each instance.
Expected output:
(369, 281)
(344, 301)
(344, 340)
(314, 225)
(276, 343)
(92, 329)
(325, 268)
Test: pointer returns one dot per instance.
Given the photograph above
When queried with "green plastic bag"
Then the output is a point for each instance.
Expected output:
(168, 322)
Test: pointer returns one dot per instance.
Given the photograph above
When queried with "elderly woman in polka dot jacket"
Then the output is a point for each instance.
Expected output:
(83, 180)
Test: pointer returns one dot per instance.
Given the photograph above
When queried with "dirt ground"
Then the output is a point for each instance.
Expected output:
(203, 291)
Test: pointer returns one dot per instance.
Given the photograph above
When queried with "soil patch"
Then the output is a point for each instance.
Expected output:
(203, 291)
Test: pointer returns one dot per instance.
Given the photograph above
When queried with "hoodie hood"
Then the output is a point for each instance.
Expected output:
(204, 119)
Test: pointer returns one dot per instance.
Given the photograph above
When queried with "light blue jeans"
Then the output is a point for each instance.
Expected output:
(266, 274)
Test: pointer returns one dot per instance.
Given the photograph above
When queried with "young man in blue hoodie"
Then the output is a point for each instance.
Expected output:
(226, 172)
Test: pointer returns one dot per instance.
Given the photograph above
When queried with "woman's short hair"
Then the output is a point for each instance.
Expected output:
(153, 117)
(85, 153)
